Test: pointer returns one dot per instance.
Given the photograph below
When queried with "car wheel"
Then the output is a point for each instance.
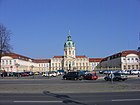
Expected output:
(106, 79)
(81, 78)
(117, 79)
(75, 78)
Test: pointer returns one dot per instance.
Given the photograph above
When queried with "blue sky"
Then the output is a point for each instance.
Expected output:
(99, 28)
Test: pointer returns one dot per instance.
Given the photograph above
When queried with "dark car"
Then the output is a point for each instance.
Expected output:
(23, 74)
(104, 71)
(3, 74)
(73, 76)
(101, 71)
(12, 74)
(91, 76)
(115, 77)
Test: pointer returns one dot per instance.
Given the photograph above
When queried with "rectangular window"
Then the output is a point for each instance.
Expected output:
(137, 67)
(10, 62)
(124, 67)
(2, 62)
(69, 52)
(128, 66)
(6, 62)
(133, 67)
(83, 64)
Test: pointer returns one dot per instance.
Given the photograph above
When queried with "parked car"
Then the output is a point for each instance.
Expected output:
(45, 74)
(60, 72)
(122, 71)
(129, 72)
(3, 74)
(52, 74)
(135, 72)
(27, 73)
(91, 76)
(12, 74)
(106, 71)
(73, 76)
(23, 74)
(36, 73)
(116, 77)
(102, 71)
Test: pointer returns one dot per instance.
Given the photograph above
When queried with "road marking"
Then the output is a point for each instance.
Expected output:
(126, 100)
(37, 101)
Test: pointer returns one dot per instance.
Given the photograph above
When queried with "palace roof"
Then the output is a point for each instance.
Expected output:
(17, 56)
(42, 60)
(58, 57)
(81, 56)
(95, 59)
(121, 54)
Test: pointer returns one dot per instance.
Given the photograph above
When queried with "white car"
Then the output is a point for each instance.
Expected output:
(52, 74)
(123, 71)
(135, 72)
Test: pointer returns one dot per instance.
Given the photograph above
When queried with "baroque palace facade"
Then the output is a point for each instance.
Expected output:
(125, 60)
(12, 62)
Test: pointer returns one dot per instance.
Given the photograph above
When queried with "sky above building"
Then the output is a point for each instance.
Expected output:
(99, 28)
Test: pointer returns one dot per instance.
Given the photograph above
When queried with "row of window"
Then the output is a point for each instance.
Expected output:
(60, 68)
(43, 65)
(131, 67)
(56, 64)
(115, 56)
(12, 62)
(70, 52)
(79, 59)
(67, 64)
(8, 62)
(131, 59)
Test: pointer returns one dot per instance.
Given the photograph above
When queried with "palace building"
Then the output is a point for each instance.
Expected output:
(12, 62)
(125, 60)
(70, 61)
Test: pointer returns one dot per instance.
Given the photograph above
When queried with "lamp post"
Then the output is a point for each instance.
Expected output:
(32, 70)
(17, 65)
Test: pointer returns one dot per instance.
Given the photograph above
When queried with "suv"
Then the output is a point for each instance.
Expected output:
(116, 77)
(73, 75)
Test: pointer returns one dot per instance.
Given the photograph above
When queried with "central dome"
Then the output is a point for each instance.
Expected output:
(69, 42)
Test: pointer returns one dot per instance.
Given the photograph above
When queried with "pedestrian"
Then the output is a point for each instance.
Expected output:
(138, 74)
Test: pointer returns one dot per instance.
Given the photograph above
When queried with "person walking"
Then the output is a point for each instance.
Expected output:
(138, 74)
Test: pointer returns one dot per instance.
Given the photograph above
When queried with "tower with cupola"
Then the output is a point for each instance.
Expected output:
(69, 48)
(69, 54)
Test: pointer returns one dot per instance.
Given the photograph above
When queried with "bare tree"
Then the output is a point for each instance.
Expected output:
(4, 41)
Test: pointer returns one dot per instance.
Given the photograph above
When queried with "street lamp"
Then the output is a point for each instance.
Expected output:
(17, 65)
(32, 70)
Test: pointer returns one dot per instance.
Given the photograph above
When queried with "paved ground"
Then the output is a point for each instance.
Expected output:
(55, 91)
(57, 85)
(49, 98)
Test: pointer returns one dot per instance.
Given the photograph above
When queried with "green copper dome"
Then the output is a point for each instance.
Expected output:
(69, 42)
